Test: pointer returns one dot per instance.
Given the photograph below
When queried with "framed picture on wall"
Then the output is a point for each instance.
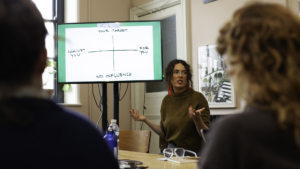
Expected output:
(207, 1)
(214, 84)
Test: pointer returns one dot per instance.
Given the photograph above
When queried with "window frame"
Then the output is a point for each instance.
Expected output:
(60, 15)
(57, 17)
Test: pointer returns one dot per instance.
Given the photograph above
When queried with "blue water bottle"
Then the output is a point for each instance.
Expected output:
(111, 141)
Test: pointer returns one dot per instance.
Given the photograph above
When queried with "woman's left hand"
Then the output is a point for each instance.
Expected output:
(195, 114)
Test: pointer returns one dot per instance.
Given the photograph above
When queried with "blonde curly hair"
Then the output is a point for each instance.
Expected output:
(261, 45)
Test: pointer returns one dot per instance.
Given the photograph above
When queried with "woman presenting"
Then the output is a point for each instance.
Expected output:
(183, 111)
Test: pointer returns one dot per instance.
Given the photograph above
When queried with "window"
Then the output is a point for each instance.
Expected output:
(48, 11)
(53, 13)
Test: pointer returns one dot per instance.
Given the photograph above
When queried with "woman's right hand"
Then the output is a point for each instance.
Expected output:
(136, 115)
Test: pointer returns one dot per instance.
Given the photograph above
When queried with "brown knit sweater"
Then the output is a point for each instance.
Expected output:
(175, 121)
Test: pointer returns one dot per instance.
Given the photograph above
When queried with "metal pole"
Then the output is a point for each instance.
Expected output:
(104, 107)
(116, 102)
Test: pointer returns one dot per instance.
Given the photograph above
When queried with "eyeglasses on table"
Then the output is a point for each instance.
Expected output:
(178, 152)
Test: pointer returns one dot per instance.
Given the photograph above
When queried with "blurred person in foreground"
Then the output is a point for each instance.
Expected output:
(261, 46)
(35, 132)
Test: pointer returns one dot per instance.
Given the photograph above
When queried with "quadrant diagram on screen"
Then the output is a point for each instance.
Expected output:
(113, 50)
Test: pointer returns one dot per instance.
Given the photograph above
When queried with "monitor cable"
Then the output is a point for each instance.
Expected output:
(100, 103)
(120, 91)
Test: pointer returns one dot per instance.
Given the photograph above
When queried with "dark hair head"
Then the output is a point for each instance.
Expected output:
(22, 32)
(170, 68)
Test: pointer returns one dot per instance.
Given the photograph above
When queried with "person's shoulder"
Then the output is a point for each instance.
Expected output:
(244, 120)
(227, 128)
(166, 98)
(74, 115)
(197, 94)
(69, 132)
(68, 119)
(76, 118)
(262, 118)
(234, 119)
(228, 122)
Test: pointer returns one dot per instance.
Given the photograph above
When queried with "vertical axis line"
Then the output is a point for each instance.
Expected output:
(113, 51)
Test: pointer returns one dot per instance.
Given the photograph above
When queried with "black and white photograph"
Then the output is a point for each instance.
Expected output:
(214, 84)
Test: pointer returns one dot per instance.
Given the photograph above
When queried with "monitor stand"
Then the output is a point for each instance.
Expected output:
(116, 102)
(104, 104)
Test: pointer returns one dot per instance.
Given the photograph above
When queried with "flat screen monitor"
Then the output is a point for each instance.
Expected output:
(109, 52)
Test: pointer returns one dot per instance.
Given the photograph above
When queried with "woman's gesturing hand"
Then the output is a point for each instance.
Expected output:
(195, 114)
(136, 115)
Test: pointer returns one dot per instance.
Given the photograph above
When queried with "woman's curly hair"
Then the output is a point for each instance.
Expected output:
(261, 44)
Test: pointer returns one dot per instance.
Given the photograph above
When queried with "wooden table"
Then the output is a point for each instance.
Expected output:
(151, 160)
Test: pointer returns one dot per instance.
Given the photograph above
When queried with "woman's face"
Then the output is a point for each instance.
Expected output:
(179, 78)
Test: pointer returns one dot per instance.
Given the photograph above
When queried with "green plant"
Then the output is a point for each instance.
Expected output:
(49, 64)
(67, 87)
(51, 68)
